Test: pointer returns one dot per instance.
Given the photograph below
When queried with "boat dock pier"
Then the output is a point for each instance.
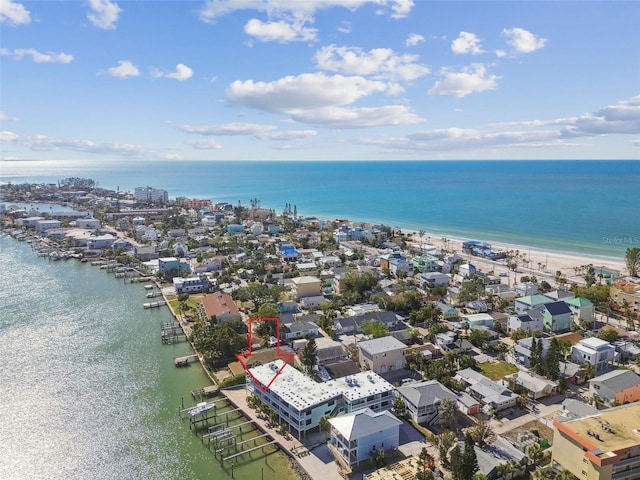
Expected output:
(171, 333)
(184, 361)
(204, 392)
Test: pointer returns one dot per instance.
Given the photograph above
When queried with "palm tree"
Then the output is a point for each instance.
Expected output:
(589, 370)
(535, 453)
(564, 474)
(325, 426)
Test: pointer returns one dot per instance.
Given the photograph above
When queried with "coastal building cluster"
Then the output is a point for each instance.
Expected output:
(389, 332)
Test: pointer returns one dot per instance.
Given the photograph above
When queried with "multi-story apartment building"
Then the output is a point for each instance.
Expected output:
(151, 195)
(605, 446)
(301, 402)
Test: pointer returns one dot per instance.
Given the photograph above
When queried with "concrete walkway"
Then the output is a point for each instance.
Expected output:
(318, 463)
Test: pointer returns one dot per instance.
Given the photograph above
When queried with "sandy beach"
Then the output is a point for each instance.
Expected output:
(533, 260)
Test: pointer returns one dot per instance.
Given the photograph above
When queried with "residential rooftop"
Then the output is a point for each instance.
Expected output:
(303, 392)
(616, 428)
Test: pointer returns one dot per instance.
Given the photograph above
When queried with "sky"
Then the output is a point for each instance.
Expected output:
(102, 80)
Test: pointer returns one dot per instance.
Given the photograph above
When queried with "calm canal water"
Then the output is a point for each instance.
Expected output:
(87, 388)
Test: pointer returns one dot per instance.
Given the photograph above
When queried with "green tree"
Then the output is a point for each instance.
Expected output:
(356, 284)
(457, 472)
(430, 313)
(444, 442)
(423, 470)
(258, 293)
(378, 457)
(469, 459)
(399, 407)
(310, 355)
(375, 328)
(481, 432)
(325, 426)
(608, 335)
(471, 290)
(551, 362)
(632, 260)
(447, 411)
(479, 338)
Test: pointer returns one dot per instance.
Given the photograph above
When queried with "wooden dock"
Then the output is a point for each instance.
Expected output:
(184, 361)
(207, 391)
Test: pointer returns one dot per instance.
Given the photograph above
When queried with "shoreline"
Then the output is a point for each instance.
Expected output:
(555, 260)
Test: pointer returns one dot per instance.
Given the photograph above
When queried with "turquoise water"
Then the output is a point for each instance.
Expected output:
(578, 206)
(88, 390)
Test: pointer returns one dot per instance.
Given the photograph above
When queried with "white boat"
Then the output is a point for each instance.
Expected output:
(200, 408)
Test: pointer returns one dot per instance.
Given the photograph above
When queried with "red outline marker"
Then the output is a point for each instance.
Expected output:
(242, 357)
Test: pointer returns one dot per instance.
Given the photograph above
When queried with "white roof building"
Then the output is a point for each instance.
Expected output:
(305, 401)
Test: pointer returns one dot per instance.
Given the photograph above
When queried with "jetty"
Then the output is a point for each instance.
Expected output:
(184, 361)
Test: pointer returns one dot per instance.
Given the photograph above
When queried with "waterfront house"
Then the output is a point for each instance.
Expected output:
(356, 436)
(621, 386)
(42, 226)
(301, 402)
(100, 242)
(219, 305)
(423, 400)
(381, 355)
(190, 284)
(595, 351)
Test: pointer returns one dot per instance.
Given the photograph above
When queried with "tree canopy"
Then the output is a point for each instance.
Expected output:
(632, 260)
(374, 328)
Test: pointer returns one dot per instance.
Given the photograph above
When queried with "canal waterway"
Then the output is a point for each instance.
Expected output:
(88, 389)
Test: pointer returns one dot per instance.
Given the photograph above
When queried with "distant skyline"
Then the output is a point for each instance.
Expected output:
(103, 80)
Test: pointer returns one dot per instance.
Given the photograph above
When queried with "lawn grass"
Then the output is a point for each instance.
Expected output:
(497, 370)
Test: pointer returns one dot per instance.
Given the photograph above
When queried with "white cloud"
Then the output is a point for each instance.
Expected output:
(347, 118)
(39, 57)
(522, 40)
(413, 40)
(181, 73)
(290, 135)
(471, 79)
(621, 118)
(301, 8)
(281, 31)
(252, 129)
(344, 27)
(306, 91)
(501, 53)
(13, 13)
(257, 130)
(44, 143)
(124, 69)
(382, 63)
(8, 118)
(466, 43)
(103, 13)
(208, 144)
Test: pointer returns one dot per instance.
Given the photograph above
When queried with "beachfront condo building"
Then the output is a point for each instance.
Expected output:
(301, 402)
(150, 195)
(604, 446)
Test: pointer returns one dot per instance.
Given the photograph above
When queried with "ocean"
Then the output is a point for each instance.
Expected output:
(588, 207)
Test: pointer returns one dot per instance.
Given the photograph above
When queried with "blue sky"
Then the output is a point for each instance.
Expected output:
(319, 80)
